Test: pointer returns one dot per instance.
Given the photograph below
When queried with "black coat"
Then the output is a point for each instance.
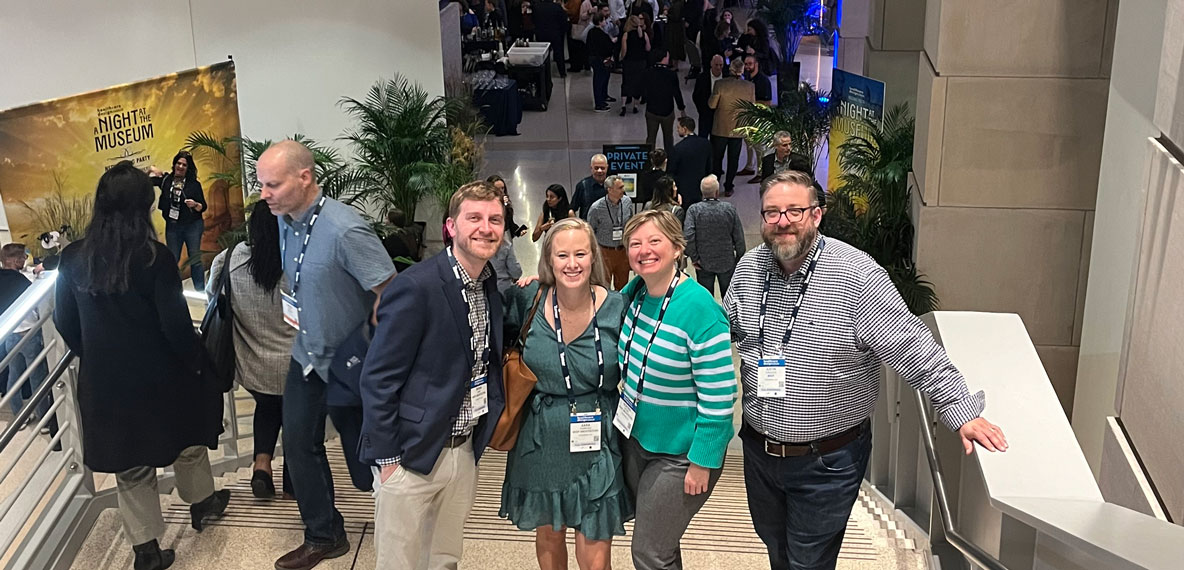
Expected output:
(414, 377)
(701, 94)
(141, 393)
(191, 191)
(690, 162)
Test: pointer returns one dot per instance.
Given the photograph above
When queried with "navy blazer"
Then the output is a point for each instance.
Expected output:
(415, 378)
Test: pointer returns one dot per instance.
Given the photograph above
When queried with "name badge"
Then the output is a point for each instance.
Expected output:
(626, 414)
(771, 378)
(291, 310)
(174, 213)
(479, 396)
(585, 432)
(618, 233)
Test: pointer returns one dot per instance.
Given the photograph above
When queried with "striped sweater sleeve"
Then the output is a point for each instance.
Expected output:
(710, 350)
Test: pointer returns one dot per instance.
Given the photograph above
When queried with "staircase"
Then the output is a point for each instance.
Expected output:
(254, 532)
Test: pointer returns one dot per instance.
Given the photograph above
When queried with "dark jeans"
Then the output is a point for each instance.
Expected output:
(348, 421)
(19, 364)
(707, 279)
(800, 505)
(600, 75)
(304, 452)
(732, 146)
(269, 414)
(189, 235)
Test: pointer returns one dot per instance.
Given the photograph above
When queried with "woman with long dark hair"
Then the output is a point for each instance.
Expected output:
(143, 399)
(262, 340)
(182, 203)
(666, 198)
(556, 207)
(513, 229)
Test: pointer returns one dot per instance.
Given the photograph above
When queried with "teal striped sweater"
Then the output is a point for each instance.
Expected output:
(690, 382)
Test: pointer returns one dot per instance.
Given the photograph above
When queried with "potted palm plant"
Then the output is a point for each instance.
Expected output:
(400, 139)
(870, 209)
(806, 114)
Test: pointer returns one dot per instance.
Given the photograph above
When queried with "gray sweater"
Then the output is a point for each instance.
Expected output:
(715, 236)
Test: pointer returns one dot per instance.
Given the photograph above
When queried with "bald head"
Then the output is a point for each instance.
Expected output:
(717, 65)
(291, 154)
(285, 172)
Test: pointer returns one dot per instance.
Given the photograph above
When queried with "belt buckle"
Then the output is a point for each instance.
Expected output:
(769, 451)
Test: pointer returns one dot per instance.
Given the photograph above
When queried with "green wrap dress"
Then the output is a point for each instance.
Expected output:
(546, 484)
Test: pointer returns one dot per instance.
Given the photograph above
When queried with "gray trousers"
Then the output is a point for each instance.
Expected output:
(664, 510)
(139, 500)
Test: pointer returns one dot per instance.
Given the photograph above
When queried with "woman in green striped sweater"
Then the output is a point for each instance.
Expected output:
(675, 412)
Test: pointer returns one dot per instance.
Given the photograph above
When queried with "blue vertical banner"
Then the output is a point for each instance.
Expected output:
(859, 98)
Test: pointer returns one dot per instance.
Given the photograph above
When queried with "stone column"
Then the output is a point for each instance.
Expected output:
(882, 39)
(1011, 109)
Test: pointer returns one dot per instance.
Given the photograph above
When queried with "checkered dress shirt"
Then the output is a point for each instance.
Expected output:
(851, 321)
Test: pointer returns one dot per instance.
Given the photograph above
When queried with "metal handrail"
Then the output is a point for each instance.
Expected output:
(42, 393)
(968, 549)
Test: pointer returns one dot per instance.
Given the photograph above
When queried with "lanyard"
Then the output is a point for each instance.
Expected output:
(316, 214)
(793, 317)
(456, 270)
(608, 207)
(571, 398)
(633, 331)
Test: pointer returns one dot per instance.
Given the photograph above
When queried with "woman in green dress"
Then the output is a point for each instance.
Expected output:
(565, 470)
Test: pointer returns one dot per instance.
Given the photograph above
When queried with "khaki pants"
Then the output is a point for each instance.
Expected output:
(616, 264)
(419, 520)
(139, 499)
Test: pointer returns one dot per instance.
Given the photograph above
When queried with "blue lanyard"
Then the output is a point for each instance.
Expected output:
(456, 270)
(633, 331)
(793, 317)
(316, 214)
(571, 398)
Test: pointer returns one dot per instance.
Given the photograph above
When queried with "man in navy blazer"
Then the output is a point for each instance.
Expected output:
(431, 388)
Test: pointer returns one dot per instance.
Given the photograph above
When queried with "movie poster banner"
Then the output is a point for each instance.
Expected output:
(52, 153)
(859, 98)
(627, 161)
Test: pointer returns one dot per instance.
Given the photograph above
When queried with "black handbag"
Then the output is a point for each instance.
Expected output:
(217, 334)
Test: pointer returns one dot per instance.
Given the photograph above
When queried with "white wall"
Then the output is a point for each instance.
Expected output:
(295, 58)
(1131, 106)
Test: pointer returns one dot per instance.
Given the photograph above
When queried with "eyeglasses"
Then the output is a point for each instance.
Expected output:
(792, 215)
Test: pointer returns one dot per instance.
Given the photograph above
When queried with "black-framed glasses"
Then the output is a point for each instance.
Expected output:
(792, 215)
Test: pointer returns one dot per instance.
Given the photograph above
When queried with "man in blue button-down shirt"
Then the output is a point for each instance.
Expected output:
(336, 267)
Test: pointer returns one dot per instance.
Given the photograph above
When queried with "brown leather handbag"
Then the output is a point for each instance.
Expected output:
(518, 381)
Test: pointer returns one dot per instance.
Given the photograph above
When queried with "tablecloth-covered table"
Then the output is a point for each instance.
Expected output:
(499, 103)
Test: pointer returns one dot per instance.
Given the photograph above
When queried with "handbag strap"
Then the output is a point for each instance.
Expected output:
(530, 318)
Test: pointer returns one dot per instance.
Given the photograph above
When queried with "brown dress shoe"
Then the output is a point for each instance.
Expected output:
(746, 171)
(309, 555)
(755, 179)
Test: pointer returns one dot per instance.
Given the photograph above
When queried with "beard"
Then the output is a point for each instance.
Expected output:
(786, 252)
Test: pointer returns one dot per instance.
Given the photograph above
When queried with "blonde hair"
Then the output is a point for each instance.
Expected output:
(663, 220)
(547, 273)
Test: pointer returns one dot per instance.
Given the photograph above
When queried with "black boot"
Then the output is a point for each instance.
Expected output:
(149, 556)
(211, 506)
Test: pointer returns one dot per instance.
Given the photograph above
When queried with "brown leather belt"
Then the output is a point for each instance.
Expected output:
(816, 447)
(456, 440)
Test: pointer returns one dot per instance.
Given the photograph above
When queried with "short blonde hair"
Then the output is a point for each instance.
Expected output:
(663, 220)
(478, 190)
(547, 273)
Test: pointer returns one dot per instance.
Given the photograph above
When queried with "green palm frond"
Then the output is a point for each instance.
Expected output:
(400, 137)
(806, 114)
(871, 207)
